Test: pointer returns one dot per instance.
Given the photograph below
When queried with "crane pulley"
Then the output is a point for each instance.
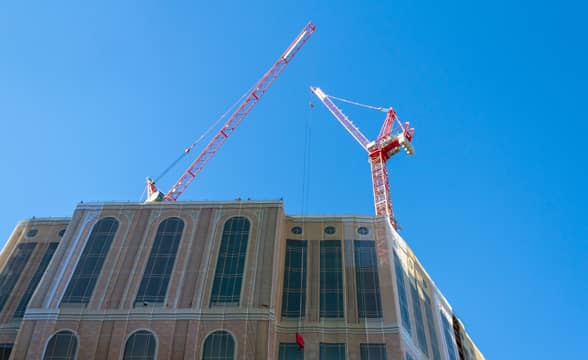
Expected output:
(234, 120)
(393, 136)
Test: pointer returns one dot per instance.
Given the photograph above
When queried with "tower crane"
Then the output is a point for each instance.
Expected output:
(393, 136)
(258, 90)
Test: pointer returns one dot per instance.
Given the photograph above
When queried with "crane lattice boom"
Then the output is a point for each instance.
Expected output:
(234, 120)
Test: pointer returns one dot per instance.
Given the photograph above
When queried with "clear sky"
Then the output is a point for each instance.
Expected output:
(94, 96)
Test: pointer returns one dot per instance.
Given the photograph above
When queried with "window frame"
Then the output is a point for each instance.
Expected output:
(367, 347)
(233, 338)
(324, 245)
(151, 331)
(14, 268)
(338, 344)
(378, 289)
(73, 332)
(35, 280)
(62, 302)
(303, 280)
(290, 344)
(153, 255)
(219, 303)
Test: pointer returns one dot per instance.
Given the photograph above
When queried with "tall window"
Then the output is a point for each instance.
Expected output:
(5, 350)
(369, 304)
(219, 346)
(432, 332)
(373, 351)
(228, 277)
(290, 351)
(14, 267)
(19, 313)
(140, 346)
(400, 275)
(161, 262)
(294, 293)
(62, 346)
(418, 318)
(83, 281)
(331, 272)
(329, 351)
(448, 332)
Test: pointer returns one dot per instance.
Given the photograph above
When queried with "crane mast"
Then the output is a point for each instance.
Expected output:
(234, 120)
(388, 143)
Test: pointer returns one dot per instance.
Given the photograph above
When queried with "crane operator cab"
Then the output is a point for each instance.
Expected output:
(153, 195)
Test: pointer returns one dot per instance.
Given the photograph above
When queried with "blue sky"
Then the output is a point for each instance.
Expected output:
(96, 96)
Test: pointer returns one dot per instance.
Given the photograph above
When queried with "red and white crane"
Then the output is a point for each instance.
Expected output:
(392, 137)
(234, 120)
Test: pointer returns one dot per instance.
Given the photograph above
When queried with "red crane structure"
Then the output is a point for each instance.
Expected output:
(393, 136)
(234, 120)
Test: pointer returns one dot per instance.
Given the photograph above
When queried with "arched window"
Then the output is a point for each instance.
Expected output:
(219, 346)
(62, 346)
(82, 283)
(161, 262)
(226, 289)
(140, 346)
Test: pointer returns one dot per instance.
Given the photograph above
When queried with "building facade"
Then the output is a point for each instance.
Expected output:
(219, 280)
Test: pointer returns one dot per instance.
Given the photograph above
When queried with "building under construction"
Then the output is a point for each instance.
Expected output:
(227, 280)
(219, 280)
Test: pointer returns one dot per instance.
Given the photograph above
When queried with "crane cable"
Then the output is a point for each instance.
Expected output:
(204, 134)
(304, 208)
(378, 108)
(382, 109)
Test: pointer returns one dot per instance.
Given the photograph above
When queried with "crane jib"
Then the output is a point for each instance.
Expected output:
(234, 120)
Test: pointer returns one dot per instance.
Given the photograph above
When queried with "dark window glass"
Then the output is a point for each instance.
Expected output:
(297, 230)
(294, 293)
(369, 304)
(218, 346)
(408, 357)
(140, 346)
(332, 351)
(35, 280)
(448, 333)
(362, 230)
(61, 232)
(432, 332)
(228, 277)
(400, 276)
(373, 351)
(330, 230)
(14, 267)
(331, 273)
(32, 233)
(290, 351)
(161, 262)
(82, 283)
(418, 318)
(5, 350)
(62, 346)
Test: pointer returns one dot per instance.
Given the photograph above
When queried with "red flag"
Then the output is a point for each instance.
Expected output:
(299, 341)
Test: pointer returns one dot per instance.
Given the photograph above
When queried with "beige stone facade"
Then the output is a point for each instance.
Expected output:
(184, 320)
